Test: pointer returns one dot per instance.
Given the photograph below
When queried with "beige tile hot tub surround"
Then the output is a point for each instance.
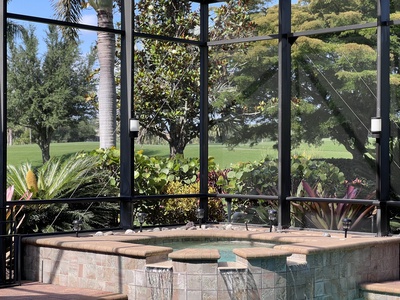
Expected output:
(303, 263)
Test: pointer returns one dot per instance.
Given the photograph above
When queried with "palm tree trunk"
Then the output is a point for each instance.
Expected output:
(107, 92)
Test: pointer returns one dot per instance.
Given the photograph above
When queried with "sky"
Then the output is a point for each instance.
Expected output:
(43, 9)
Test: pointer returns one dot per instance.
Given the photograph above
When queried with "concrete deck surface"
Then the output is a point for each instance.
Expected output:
(42, 291)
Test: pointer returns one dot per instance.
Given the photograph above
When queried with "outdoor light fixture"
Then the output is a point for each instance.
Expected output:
(272, 217)
(376, 126)
(346, 225)
(200, 215)
(133, 127)
(141, 217)
(77, 226)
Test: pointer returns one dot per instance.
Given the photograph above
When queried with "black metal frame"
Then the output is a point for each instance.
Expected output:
(284, 114)
(3, 138)
(11, 272)
(127, 112)
(285, 38)
(10, 243)
(382, 111)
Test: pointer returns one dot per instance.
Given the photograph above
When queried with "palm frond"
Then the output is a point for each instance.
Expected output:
(61, 179)
(68, 11)
(14, 30)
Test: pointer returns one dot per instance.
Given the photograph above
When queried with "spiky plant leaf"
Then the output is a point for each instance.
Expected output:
(16, 178)
(59, 178)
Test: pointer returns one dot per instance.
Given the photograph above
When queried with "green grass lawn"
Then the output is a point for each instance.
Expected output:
(223, 156)
(31, 153)
(244, 153)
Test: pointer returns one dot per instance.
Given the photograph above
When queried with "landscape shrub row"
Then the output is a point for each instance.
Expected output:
(66, 178)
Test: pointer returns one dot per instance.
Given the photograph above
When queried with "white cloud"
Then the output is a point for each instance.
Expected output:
(88, 37)
(89, 19)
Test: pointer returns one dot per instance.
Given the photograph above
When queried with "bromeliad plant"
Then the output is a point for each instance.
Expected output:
(261, 177)
(323, 215)
(309, 178)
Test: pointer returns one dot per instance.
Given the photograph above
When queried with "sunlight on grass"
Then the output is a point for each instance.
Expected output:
(31, 153)
(224, 157)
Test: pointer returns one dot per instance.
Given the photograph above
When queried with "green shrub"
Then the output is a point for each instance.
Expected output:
(180, 210)
(152, 174)
(323, 179)
(63, 177)
(108, 161)
(262, 177)
(98, 172)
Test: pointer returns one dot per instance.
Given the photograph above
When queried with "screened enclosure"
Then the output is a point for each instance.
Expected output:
(243, 107)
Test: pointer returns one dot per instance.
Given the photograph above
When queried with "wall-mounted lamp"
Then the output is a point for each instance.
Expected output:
(133, 127)
(272, 218)
(141, 217)
(77, 226)
(346, 226)
(200, 215)
(376, 126)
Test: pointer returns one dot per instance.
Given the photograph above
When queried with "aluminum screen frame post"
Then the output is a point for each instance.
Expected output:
(284, 114)
(127, 112)
(204, 108)
(382, 112)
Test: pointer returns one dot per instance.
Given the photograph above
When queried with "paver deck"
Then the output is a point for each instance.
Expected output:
(39, 291)
(389, 287)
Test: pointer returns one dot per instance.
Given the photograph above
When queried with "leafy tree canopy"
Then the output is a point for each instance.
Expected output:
(167, 75)
(47, 93)
(333, 74)
(333, 77)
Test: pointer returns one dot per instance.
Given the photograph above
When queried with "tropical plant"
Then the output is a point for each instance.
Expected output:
(108, 161)
(59, 177)
(330, 216)
(320, 215)
(151, 174)
(63, 177)
(312, 178)
(261, 177)
(13, 215)
(180, 210)
(70, 11)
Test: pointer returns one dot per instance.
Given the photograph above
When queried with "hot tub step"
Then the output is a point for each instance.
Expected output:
(389, 290)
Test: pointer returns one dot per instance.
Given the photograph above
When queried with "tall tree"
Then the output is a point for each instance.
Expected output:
(333, 76)
(70, 10)
(44, 95)
(167, 74)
